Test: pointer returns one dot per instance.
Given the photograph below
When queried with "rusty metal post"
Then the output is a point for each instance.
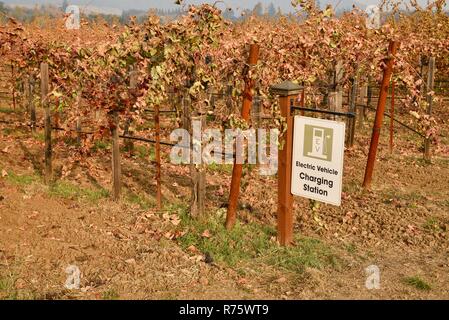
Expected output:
(287, 92)
(430, 86)
(231, 216)
(393, 89)
(388, 71)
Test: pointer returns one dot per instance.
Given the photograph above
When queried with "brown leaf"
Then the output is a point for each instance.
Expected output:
(193, 249)
(169, 235)
(175, 221)
(281, 280)
(206, 234)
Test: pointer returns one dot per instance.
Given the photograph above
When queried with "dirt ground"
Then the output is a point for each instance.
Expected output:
(129, 250)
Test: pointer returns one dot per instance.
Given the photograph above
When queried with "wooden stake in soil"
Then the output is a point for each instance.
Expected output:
(353, 109)
(369, 98)
(78, 118)
(430, 86)
(361, 103)
(116, 168)
(13, 80)
(129, 144)
(287, 92)
(256, 113)
(231, 216)
(302, 102)
(56, 122)
(158, 157)
(197, 171)
(388, 71)
(393, 89)
(48, 126)
(31, 106)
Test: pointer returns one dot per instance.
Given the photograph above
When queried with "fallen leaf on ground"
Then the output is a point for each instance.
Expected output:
(206, 234)
(193, 249)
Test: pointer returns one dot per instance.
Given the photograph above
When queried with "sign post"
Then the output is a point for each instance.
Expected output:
(318, 151)
(287, 92)
(310, 162)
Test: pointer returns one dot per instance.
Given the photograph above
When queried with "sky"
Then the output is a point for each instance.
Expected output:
(285, 5)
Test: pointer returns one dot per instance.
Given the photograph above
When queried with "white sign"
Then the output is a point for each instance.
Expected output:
(318, 150)
(73, 18)
(373, 20)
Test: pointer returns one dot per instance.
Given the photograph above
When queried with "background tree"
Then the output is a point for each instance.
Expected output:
(2, 7)
(271, 10)
(64, 6)
(229, 14)
(258, 9)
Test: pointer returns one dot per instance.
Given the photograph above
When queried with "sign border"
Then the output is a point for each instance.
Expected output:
(324, 121)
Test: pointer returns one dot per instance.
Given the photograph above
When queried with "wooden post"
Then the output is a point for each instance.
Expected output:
(129, 144)
(116, 169)
(430, 86)
(78, 130)
(197, 172)
(335, 98)
(186, 112)
(157, 126)
(353, 109)
(13, 87)
(48, 126)
(369, 98)
(302, 102)
(363, 93)
(256, 112)
(393, 89)
(78, 118)
(31, 106)
(388, 71)
(231, 216)
(287, 92)
(25, 87)
(228, 97)
(56, 122)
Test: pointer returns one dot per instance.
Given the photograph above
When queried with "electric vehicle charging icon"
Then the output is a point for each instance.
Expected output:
(318, 143)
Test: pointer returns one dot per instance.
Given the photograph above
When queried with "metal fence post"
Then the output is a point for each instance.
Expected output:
(388, 71)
